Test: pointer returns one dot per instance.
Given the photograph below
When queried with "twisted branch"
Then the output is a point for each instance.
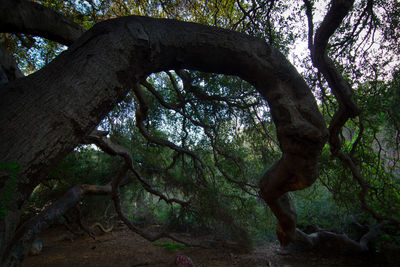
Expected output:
(342, 91)
(99, 138)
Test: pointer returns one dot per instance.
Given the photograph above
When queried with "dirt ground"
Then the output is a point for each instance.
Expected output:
(121, 247)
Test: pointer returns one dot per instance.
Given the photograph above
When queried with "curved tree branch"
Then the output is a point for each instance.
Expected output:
(58, 111)
(343, 93)
(341, 89)
(21, 16)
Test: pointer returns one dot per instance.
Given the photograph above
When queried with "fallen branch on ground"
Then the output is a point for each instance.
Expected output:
(340, 240)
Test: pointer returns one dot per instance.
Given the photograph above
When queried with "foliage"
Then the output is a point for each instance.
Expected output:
(371, 141)
(84, 165)
(316, 207)
(170, 247)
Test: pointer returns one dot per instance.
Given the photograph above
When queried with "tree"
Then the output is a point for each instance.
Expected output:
(48, 113)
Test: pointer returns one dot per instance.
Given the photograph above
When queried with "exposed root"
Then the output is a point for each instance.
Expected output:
(340, 240)
(101, 227)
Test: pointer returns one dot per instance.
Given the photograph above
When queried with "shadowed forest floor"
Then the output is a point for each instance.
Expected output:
(122, 247)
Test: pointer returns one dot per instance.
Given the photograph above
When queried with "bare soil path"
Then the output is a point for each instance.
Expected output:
(122, 248)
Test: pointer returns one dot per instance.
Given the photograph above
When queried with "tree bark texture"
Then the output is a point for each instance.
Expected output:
(45, 115)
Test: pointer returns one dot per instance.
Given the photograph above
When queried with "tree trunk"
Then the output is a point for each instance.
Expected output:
(45, 115)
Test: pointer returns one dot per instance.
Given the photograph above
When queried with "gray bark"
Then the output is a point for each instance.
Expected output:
(45, 115)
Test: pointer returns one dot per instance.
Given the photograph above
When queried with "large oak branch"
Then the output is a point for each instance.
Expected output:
(45, 115)
(21, 16)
